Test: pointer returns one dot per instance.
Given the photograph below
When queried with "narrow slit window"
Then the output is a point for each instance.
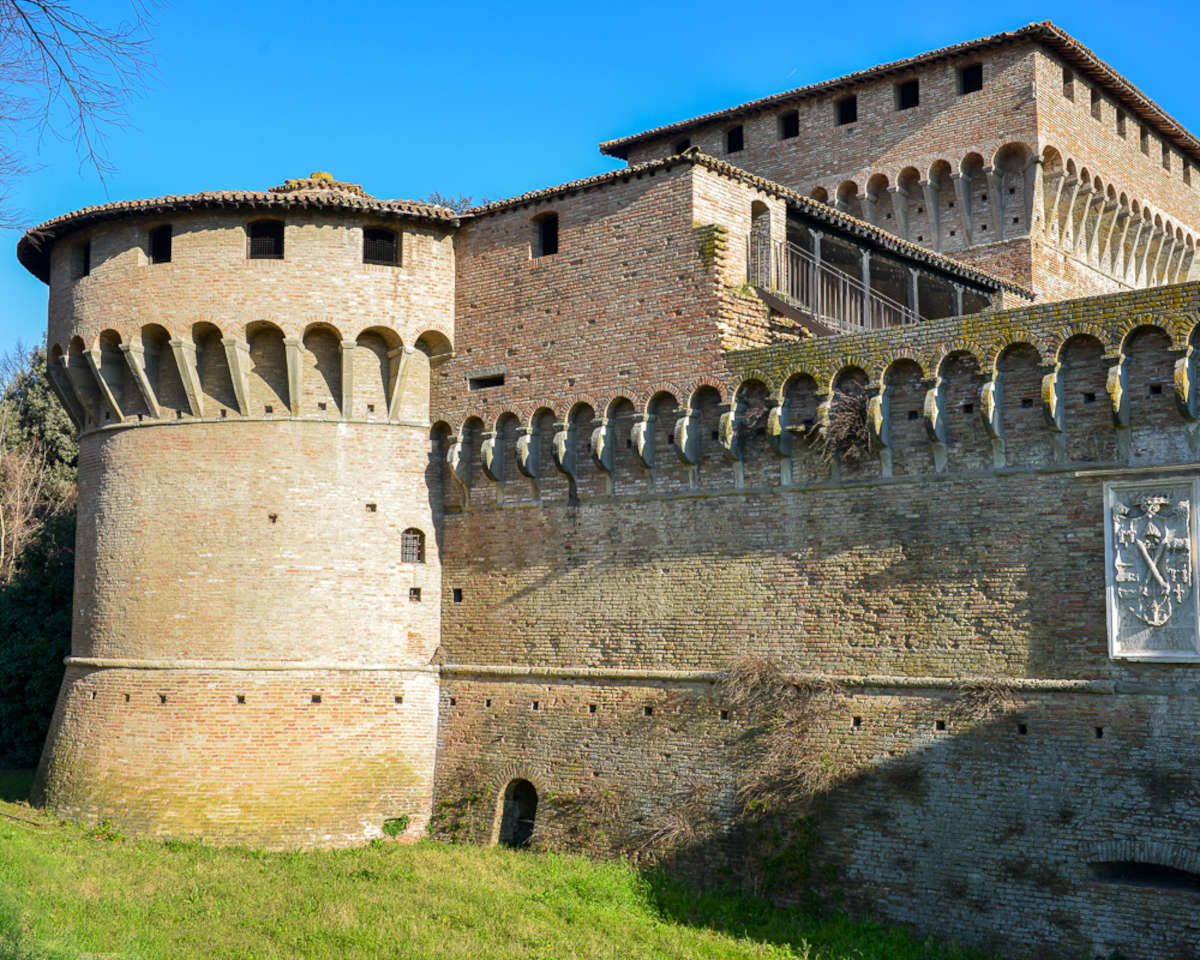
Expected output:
(1068, 79)
(1145, 137)
(789, 125)
(1097, 105)
(908, 94)
(483, 383)
(1121, 124)
(847, 110)
(970, 78)
(85, 258)
(735, 139)
(160, 244)
(1166, 157)
(412, 546)
(264, 240)
(381, 246)
(547, 235)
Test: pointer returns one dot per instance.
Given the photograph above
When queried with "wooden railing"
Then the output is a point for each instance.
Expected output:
(832, 296)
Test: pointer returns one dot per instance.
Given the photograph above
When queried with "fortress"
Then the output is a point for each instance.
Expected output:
(396, 516)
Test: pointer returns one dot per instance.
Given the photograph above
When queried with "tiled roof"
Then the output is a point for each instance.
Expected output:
(320, 191)
(1074, 53)
(813, 208)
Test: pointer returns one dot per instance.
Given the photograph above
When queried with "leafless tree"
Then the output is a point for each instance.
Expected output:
(65, 74)
(459, 205)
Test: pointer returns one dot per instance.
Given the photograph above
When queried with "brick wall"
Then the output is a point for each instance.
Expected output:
(979, 556)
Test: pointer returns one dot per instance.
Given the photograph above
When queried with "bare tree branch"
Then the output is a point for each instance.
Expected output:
(67, 75)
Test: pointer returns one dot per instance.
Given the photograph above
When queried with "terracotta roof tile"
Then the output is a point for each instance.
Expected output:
(33, 249)
(1046, 33)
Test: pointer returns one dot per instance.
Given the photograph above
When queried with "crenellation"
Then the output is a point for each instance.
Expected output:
(479, 521)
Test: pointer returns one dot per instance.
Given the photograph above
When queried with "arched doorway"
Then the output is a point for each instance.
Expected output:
(517, 815)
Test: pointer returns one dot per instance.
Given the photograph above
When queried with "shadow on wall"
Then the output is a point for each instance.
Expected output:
(1046, 826)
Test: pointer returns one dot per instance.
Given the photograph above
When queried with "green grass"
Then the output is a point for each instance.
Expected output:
(67, 890)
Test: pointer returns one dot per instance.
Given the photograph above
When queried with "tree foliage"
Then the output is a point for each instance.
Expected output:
(38, 454)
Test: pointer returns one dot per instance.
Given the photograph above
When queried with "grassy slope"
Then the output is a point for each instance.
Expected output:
(65, 891)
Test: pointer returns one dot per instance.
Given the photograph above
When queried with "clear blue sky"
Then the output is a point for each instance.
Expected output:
(492, 101)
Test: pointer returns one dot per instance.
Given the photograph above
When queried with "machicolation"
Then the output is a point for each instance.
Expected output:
(810, 504)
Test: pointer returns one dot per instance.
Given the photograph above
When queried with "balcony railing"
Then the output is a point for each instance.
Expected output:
(832, 296)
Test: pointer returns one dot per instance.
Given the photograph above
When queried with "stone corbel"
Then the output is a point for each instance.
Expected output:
(135, 359)
(1054, 411)
(900, 209)
(991, 402)
(1185, 385)
(295, 369)
(995, 180)
(76, 376)
(962, 193)
(185, 362)
(933, 215)
(779, 434)
(237, 356)
(642, 435)
(879, 428)
(347, 397)
(934, 416)
(1118, 394)
(398, 360)
(1035, 192)
(94, 360)
(1052, 402)
(65, 393)
(687, 436)
(564, 448)
(491, 464)
(729, 434)
(528, 454)
(869, 208)
(603, 451)
(460, 465)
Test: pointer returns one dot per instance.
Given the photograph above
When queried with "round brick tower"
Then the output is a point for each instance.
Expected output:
(257, 576)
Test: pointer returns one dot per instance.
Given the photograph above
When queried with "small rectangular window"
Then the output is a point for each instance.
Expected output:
(484, 383)
(734, 140)
(789, 125)
(847, 110)
(85, 258)
(414, 594)
(970, 78)
(1121, 124)
(908, 94)
(381, 246)
(1068, 84)
(264, 240)
(160, 244)
(1166, 157)
(457, 594)
(1097, 105)
(1145, 141)
(547, 235)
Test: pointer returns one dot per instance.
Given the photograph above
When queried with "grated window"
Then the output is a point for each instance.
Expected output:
(381, 246)
(412, 546)
(264, 240)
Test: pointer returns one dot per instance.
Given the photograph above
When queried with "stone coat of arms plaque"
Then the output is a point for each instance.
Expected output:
(1150, 556)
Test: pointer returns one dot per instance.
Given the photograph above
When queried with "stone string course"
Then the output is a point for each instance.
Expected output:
(616, 456)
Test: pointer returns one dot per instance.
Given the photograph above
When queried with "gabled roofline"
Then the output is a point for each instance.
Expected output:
(813, 208)
(33, 249)
(1074, 53)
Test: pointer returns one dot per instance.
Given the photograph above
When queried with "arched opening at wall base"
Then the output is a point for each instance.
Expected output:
(518, 811)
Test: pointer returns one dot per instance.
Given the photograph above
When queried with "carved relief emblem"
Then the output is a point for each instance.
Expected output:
(1152, 591)
(1152, 558)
